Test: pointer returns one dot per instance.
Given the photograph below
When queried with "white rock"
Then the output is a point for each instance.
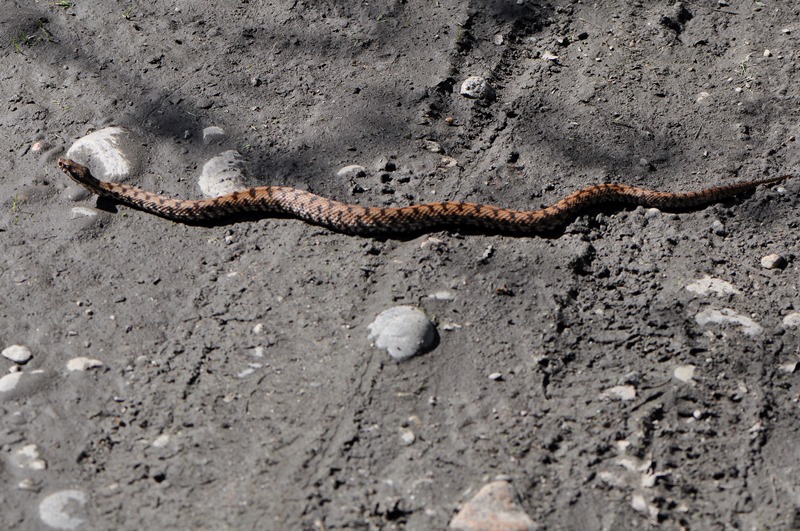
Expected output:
(161, 441)
(403, 331)
(773, 261)
(101, 152)
(547, 55)
(57, 510)
(245, 372)
(30, 380)
(718, 228)
(475, 87)
(703, 97)
(222, 174)
(83, 364)
(708, 286)
(407, 437)
(448, 162)
(792, 320)
(28, 458)
(729, 316)
(494, 507)
(352, 171)
(496, 376)
(684, 373)
(639, 503)
(433, 146)
(619, 392)
(443, 295)
(10, 381)
(213, 134)
(28, 484)
(83, 212)
(17, 353)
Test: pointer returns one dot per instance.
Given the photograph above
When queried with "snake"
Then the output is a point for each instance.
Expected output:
(284, 201)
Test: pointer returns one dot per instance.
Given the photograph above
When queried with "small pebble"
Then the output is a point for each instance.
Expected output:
(83, 212)
(703, 97)
(729, 316)
(639, 503)
(549, 56)
(403, 331)
(39, 146)
(352, 171)
(213, 134)
(161, 441)
(718, 228)
(407, 437)
(773, 261)
(684, 373)
(18, 354)
(792, 320)
(496, 376)
(29, 485)
(83, 364)
(620, 392)
(488, 252)
(448, 162)
(767, 53)
(443, 295)
(712, 286)
(493, 508)
(433, 146)
(28, 458)
(58, 509)
(222, 174)
(475, 87)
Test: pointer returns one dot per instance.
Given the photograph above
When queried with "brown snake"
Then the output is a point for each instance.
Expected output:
(414, 219)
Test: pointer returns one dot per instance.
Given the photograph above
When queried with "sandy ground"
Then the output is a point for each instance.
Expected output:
(238, 388)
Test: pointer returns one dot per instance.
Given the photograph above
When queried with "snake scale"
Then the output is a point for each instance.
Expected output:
(414, 219)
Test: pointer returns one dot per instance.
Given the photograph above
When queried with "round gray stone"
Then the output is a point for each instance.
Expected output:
(17, 353)
(403, 331)
(475, 87)
(58, 509)
(213, 134)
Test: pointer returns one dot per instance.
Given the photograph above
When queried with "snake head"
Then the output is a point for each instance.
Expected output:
(78, 172)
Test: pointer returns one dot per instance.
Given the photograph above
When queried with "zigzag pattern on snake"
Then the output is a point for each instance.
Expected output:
(414, 219)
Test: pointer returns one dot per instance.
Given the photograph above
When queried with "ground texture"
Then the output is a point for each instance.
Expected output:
(239, 388)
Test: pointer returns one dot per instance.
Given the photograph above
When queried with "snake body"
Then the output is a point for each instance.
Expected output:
(414, 219)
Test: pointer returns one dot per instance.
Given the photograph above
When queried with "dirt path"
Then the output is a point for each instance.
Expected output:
(646, 360)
